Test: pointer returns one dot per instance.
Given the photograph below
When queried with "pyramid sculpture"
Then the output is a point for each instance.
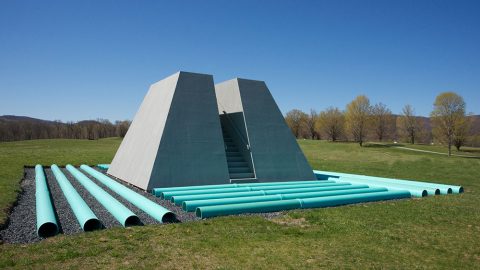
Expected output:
(175, 138)
(275, 153)
(190, 132)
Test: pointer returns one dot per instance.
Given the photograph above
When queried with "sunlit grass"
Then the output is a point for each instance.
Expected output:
(433, 232)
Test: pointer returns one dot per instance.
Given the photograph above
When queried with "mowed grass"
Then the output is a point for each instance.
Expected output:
(464, 150)
(14, 155)
(433, 232)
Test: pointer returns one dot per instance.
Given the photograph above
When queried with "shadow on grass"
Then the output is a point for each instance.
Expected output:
(471, 151)
(382, 145)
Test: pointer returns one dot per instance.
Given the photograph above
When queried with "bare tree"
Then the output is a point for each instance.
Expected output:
(310, 124)
(296, 121)
(448, 117)
(332, 122)
(121, 128)
(409, 123)
(357, 118)
(382, 120)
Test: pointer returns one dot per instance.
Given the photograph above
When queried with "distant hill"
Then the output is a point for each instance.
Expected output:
(15, 128)
(15, 118)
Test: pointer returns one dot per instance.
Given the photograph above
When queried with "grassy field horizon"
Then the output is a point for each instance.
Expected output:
(432, 232)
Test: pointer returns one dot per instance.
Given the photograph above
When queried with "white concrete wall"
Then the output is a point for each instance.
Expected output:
(175, 138)
(134, 160)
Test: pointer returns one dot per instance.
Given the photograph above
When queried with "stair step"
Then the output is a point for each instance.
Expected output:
(233, 154)
(237, 164)
(227, 139)
(231, 149)
(241, 175)
(239, 170)
(235, 159)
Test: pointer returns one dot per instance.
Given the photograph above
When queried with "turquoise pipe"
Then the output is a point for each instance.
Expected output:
(103, 166)
(46, 221)
(158, 191)
(241, 208)
(354, 198)
(417, 191)
(414, 190)
(269, 206)
(191, 206)
(281, 183)
(178, 200)
(444, 189)
(154, 210)
(121, 213)
(167, 195)
(85, 217)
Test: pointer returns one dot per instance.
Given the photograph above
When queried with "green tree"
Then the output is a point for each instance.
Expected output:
(296, 120)
(357, 116)
(448, 118)
(331, 122)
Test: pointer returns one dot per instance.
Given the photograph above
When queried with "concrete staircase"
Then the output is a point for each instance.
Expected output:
(237, 166)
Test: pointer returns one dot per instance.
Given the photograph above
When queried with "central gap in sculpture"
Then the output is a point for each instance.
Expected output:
(237, 147)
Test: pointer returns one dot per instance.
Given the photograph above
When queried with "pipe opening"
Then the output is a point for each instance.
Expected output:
(198, 212)
(437, 191)
(169, 218)
(172, 199)
(449, 191)
(460, 190)
(184, 206)
(132, 221)
(92, 224)
(47, 229)
(424, 193)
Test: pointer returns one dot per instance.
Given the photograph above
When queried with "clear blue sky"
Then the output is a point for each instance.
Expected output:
(74, 60)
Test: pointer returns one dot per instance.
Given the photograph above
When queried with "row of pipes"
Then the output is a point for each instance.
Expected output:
(332, 189)
(420, 189)
(46, 219)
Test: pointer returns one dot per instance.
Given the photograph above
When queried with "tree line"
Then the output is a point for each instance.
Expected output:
(361, 121)
(28, 129)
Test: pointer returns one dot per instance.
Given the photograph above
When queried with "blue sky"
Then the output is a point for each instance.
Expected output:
(74, 60)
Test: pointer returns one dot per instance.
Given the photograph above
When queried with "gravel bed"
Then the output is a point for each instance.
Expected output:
(180, 215)
(21, 226)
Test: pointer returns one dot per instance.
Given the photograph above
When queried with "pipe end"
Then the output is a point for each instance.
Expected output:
(184, 206)
(198, 212)
(92, 224)
(169, 218)
(460, 190)
(132, 221)
(47, 229)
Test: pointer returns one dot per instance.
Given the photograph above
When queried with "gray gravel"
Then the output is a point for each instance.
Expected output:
(21, 226)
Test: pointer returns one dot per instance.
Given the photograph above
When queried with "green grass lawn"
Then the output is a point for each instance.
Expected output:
(433, 232)
(464, 150)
